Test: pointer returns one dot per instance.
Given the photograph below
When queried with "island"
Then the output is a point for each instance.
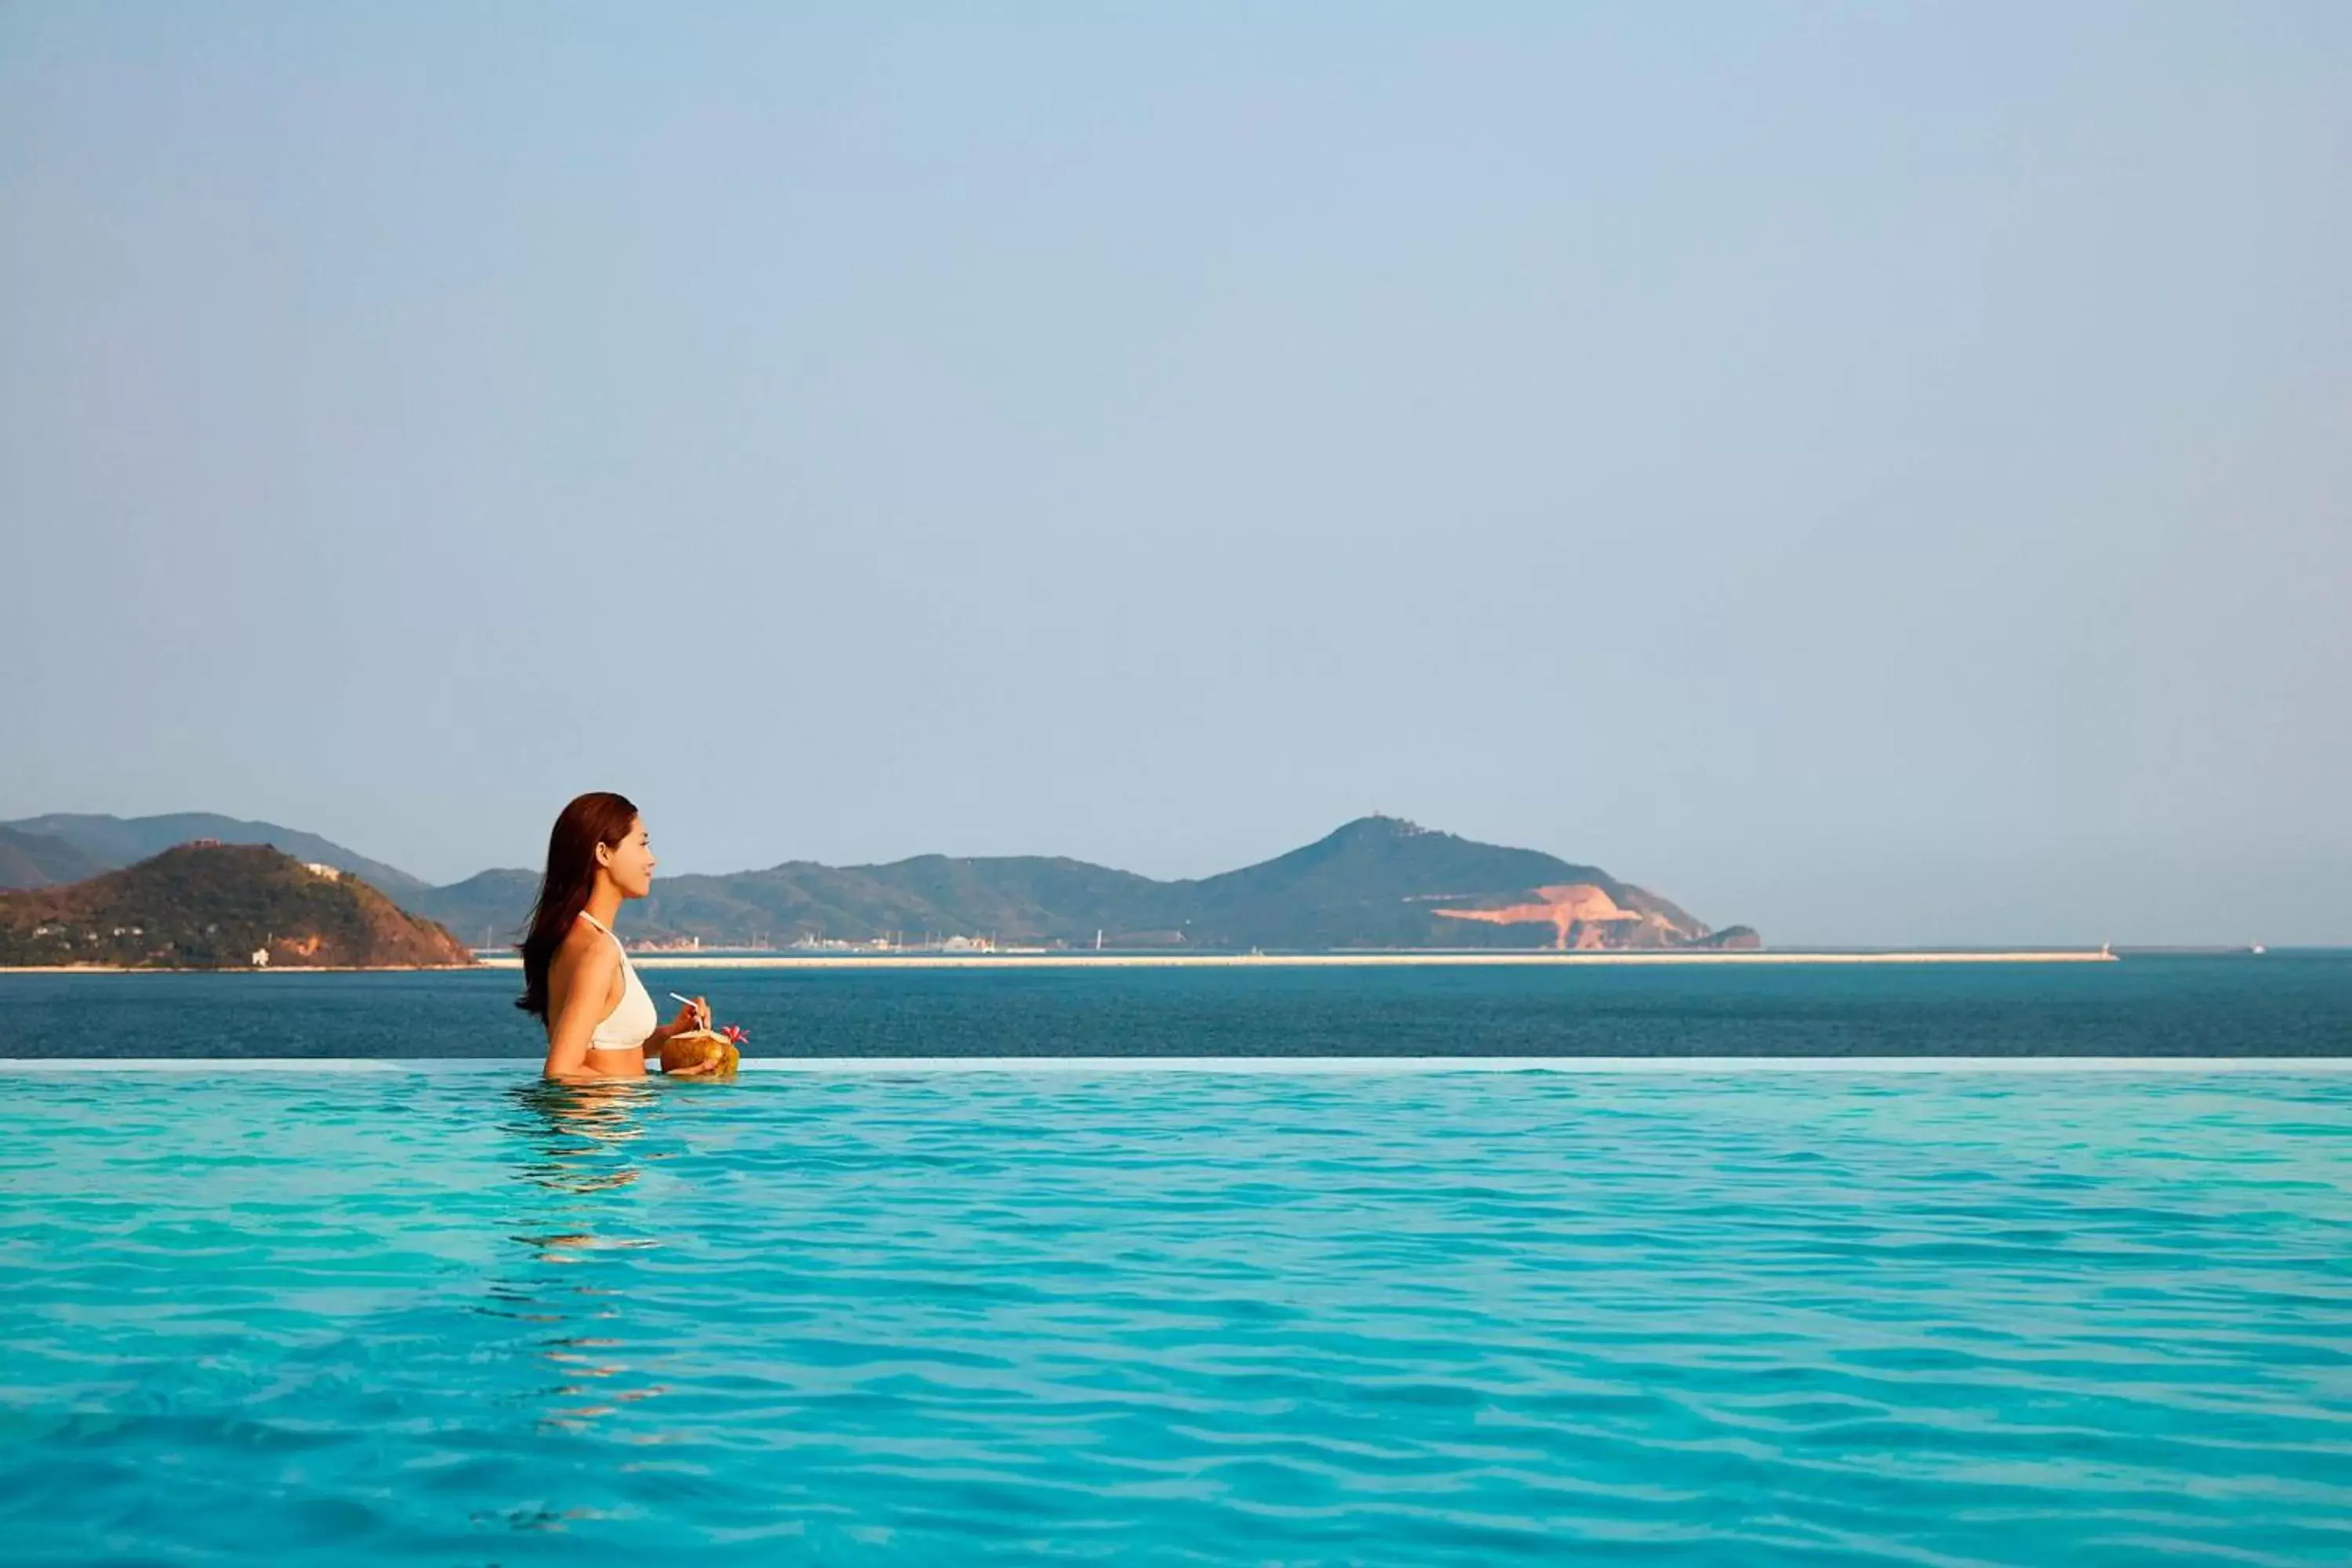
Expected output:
(1378, 884)
(207, 905)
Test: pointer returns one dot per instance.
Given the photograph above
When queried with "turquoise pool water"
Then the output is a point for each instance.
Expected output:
(449, 1316)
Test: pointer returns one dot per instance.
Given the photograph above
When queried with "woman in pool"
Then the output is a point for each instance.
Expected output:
(575, 978)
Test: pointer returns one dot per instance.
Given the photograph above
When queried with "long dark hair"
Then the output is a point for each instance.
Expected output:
(597, 817)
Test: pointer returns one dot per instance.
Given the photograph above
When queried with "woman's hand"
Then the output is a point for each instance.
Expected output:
(695, 1015)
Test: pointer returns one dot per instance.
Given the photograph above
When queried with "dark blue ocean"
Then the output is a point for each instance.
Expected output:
(2278, 1004)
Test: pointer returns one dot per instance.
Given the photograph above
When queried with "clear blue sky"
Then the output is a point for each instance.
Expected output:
(1879, 473)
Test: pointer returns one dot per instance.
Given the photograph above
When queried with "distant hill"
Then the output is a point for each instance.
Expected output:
(1025, 897)
(108, 842)
(34, 860)
(487, 910)
(1381, 882)
(215, 908)
(1377, 882)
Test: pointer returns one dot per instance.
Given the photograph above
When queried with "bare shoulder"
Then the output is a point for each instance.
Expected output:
(587, 954)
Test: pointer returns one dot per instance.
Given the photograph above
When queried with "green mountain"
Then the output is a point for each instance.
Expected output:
(34, 860)
(487, 909)
(112, 841)
(213, 908)
(1378, 882)
(1020, 898)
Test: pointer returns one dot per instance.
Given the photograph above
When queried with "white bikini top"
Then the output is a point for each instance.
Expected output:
(625, 1028)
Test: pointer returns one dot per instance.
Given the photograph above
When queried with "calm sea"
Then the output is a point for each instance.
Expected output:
(2279, 1004)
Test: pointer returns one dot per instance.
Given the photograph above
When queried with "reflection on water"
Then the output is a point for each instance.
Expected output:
(578, 1133)
(575, 1162)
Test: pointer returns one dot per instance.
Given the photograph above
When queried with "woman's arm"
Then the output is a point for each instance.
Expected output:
(580, 988)
(695, 1015)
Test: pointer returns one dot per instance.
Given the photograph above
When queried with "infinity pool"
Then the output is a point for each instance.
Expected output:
(451, 1317)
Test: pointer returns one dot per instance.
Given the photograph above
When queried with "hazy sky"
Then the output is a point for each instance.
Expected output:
(1879, 473)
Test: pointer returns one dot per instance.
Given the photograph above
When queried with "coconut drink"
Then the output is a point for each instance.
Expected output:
(695, 1046)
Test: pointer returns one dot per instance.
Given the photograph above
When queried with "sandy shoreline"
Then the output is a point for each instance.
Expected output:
(1162, 960)
(1305, 959)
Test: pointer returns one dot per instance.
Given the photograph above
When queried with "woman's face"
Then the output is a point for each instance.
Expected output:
(630, 863)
